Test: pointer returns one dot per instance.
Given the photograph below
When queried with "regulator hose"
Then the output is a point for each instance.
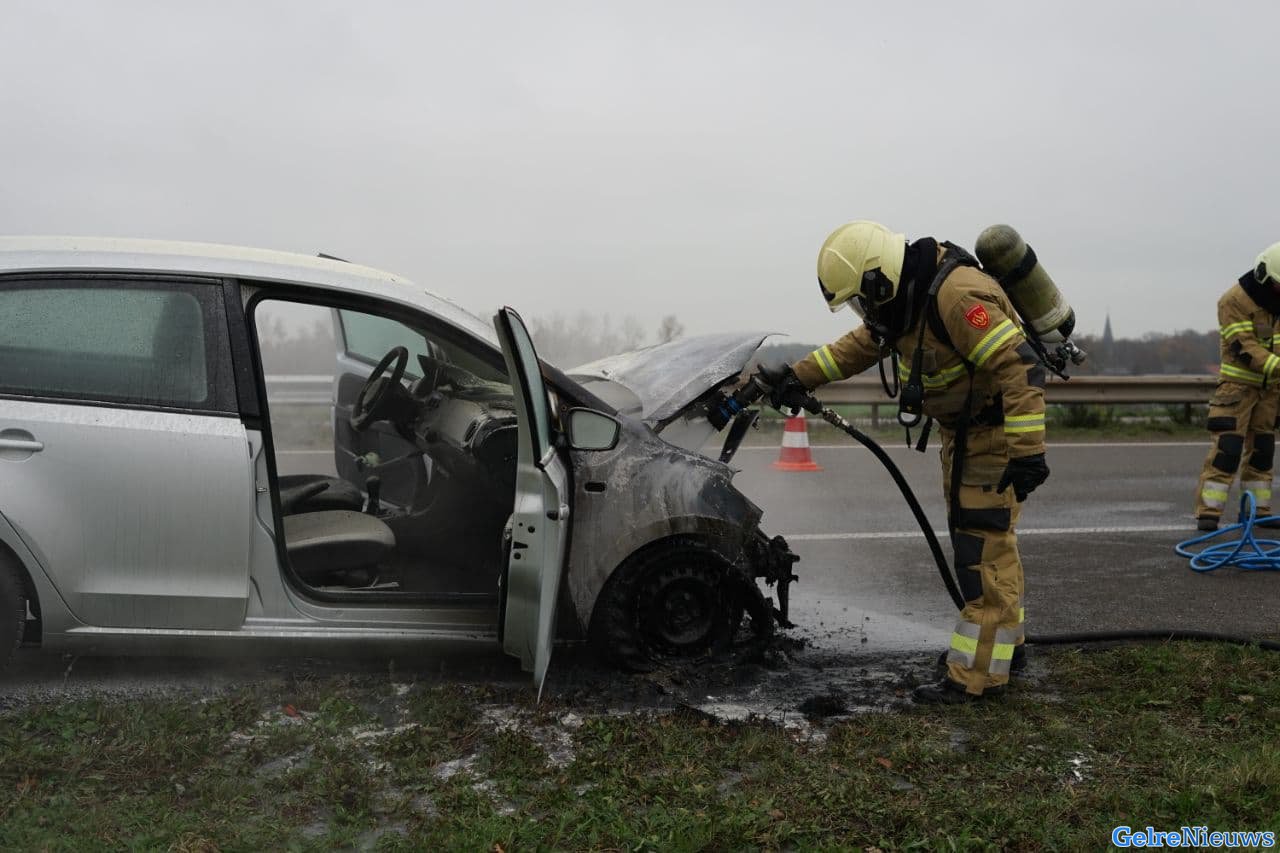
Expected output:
(949, 581)
(1247, 553)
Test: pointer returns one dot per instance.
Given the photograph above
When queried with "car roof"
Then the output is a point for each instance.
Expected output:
(110, 254)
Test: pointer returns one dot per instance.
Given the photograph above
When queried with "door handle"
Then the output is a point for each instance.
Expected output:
(28, 445)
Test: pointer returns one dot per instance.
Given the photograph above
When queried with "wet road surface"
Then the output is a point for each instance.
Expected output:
(870, 610)
(1096, 540)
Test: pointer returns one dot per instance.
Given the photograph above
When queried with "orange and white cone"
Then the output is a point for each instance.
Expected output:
(795, 455)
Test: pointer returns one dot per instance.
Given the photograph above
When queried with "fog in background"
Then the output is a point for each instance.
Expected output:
(302, 339)
(645, 160)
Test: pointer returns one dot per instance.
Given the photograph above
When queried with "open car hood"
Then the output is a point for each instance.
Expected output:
(666, 378)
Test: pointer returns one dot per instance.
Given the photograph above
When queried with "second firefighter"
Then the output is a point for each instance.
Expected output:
(1243, 410)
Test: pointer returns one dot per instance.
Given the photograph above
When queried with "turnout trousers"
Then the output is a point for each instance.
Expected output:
(1242, 424)
(988, 568)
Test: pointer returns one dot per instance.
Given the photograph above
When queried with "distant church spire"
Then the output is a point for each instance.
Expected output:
(1107, 339)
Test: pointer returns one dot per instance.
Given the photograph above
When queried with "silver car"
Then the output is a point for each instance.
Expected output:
(152, 501)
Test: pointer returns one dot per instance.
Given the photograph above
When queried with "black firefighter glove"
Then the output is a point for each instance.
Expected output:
(1024, 474)
(785, 389)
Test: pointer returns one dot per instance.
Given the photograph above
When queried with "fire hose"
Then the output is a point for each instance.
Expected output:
(727, 407)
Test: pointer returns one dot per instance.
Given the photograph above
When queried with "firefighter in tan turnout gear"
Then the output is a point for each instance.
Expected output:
(983, 384)
(1243, 410)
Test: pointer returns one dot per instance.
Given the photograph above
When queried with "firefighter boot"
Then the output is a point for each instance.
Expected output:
(944, 691)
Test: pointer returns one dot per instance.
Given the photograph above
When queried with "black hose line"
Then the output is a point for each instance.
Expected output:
(949, 581)
(939, 557)
(1152, 634)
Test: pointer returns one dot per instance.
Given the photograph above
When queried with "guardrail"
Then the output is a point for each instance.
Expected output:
(1106, 390)
(299, 388)
(1079, 390)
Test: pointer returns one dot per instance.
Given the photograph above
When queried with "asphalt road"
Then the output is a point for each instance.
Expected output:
(1097, 543)
(1096, 540)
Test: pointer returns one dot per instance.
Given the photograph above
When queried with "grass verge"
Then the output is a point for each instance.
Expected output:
(1173, 735)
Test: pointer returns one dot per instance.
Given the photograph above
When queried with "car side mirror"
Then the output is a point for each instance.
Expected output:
(592, 430)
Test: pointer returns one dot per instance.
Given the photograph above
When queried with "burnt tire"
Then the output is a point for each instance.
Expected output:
(678, 600)
(13, 611)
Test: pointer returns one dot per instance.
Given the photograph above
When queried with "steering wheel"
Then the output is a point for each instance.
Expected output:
(433, 375)
(378, 396)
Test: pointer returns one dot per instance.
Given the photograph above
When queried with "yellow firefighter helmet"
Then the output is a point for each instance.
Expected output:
(1268, 266)
(861, 261)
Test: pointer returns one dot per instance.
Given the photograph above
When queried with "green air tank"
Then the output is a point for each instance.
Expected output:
(1006, 257)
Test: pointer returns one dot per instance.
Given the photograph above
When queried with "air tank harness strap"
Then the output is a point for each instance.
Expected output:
(1020, 270)
(888, 352)
(925, 430)
(911, 403)
(959, 448)
(955, 257)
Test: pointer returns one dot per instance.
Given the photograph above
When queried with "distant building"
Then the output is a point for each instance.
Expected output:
(1104, 356)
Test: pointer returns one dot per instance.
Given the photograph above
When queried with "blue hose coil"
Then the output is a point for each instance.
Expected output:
(1248, 553)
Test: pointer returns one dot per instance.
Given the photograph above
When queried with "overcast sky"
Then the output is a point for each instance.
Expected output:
(653, 158)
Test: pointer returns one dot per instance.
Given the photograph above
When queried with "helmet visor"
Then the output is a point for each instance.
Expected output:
(828, 295)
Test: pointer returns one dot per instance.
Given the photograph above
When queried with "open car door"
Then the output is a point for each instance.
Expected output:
(540, 520)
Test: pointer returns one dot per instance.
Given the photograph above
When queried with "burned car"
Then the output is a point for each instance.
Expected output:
(151, 500)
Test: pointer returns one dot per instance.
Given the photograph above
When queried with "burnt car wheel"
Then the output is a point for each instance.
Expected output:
(680, 599)
(13, 611)
(681, 606)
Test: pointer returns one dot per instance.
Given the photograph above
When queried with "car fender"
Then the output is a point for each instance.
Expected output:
(55, 617)
(643, 491)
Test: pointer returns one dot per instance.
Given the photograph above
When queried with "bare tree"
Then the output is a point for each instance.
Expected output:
(669, 329)
(584, 337)
(630, 334)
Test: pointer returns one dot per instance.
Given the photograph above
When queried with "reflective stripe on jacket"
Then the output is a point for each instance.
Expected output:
(1248, 334)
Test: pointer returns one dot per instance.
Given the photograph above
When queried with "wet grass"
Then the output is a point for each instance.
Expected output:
(1157, 735)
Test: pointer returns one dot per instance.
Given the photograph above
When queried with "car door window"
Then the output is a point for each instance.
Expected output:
(370, 337)
(130, 343)
(539, 410)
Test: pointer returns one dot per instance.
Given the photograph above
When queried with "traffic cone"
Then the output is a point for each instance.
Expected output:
(795, 455)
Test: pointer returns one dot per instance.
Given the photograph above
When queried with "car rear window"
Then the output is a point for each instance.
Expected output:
(153, 345)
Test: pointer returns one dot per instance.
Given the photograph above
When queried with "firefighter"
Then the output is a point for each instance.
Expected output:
(1243, 409)
(984, 386)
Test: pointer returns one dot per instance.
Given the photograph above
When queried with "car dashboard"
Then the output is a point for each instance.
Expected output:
(470, 434)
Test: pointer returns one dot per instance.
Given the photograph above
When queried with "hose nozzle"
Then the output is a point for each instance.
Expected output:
(725, 407)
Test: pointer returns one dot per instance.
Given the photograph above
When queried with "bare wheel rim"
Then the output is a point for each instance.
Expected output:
(681, 607)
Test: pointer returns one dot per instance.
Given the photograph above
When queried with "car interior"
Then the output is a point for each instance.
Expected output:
(403, 480)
